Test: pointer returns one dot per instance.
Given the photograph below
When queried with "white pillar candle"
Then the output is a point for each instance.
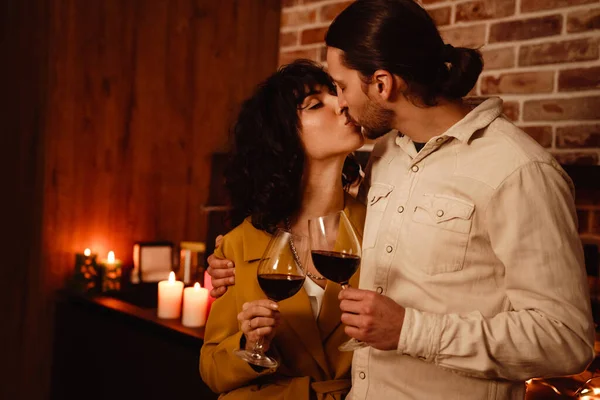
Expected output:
(195, 301)
(169, 297)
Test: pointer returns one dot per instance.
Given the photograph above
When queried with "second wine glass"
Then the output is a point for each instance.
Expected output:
(336, 253)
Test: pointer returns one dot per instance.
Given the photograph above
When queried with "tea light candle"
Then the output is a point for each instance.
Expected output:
(111, 273)
(169, 297)
(195, 302)
(85, 276)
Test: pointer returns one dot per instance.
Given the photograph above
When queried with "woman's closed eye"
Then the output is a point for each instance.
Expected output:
(315, 106)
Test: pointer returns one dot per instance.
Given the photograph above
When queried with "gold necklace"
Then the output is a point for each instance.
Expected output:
(288, 227)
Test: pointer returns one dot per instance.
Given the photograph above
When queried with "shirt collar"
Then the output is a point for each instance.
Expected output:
(478, 118)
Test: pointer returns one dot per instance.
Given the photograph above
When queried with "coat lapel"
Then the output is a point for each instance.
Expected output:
(296, 313)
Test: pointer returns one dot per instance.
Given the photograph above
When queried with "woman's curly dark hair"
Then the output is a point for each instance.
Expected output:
(264, 173)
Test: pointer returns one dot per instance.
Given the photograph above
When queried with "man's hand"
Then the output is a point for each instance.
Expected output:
(221, 271)
(372, 318)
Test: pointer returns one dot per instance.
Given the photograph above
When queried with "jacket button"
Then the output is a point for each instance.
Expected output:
(389, 249)
(415, 168)
(400, 209)
(439, 139)
(379, 289)
(362, 375)
(440, 213)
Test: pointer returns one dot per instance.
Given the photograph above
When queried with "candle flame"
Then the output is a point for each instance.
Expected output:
(172, 277)
(111, 257)
(87, 252)
(196, 286)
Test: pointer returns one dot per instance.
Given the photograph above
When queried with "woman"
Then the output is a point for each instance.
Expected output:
(290, 144)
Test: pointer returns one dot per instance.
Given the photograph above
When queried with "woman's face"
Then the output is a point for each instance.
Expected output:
(325, 130)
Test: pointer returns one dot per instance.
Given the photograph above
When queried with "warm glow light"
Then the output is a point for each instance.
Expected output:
(596, 391)
(196, 286)
(172, 277)
(87, 252)
(111, 257)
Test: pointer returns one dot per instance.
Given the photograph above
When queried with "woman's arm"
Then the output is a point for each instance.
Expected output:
(220, 369)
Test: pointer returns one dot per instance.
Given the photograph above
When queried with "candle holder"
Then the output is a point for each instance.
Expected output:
(111, 273)
(86, 277)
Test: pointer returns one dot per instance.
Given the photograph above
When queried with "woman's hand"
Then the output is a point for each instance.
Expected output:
(258, 319)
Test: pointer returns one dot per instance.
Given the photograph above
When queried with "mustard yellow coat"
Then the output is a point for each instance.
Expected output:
(311, 366)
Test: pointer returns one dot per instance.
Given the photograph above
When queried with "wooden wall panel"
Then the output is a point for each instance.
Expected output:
(117, 107)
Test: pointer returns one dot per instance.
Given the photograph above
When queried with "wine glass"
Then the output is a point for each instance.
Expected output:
(335, 251)
(280, 275)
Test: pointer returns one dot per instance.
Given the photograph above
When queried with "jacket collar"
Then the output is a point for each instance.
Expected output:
(256, 241)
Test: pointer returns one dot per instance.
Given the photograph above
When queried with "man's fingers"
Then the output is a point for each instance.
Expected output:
(219, 268)
(217, 283)
(218, 292)
(354, 294)
(218, 241)
(351, 306)
(355, 333)
(352, 320)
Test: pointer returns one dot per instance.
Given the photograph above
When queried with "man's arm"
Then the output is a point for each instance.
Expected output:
(532, 228)
(548, 332)
(221, 271)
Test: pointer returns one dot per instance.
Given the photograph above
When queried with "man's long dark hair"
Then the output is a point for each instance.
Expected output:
(400, 37)
(264, 173)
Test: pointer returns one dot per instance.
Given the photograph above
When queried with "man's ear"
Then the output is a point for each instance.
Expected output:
(387, 85)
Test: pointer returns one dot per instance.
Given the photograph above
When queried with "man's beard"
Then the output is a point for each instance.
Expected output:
(375, 120)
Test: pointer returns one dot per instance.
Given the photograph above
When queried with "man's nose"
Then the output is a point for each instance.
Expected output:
(341, 100)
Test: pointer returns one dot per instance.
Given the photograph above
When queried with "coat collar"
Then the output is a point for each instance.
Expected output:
(256, 241)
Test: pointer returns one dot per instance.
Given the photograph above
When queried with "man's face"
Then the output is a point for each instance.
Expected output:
(353, 95)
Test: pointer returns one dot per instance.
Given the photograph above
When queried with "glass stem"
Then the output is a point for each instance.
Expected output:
(259, 345)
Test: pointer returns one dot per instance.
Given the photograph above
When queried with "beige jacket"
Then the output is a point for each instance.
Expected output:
(476, 235)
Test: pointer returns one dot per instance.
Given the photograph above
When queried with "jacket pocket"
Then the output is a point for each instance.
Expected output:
(440, 233)
(377, 200)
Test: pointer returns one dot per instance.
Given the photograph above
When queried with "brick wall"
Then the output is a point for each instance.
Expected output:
(541, 56)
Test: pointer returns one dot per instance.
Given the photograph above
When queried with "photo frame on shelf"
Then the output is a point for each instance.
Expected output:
(152, 261)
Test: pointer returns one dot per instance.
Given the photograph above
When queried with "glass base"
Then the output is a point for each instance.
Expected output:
(352, 345)
(259, 359)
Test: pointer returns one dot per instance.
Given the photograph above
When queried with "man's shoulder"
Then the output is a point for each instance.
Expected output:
(499, 150)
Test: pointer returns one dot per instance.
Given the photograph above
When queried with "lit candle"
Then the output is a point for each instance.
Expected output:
(208, 285)
(169, 297)
(195, 302)
(111, 273)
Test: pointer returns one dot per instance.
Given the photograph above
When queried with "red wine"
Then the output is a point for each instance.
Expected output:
(337, 267)
(279, 287)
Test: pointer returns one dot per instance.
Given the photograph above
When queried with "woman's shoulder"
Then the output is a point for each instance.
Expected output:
(242, 240)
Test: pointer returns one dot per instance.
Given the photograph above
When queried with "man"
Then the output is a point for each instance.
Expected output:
(472, 277)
